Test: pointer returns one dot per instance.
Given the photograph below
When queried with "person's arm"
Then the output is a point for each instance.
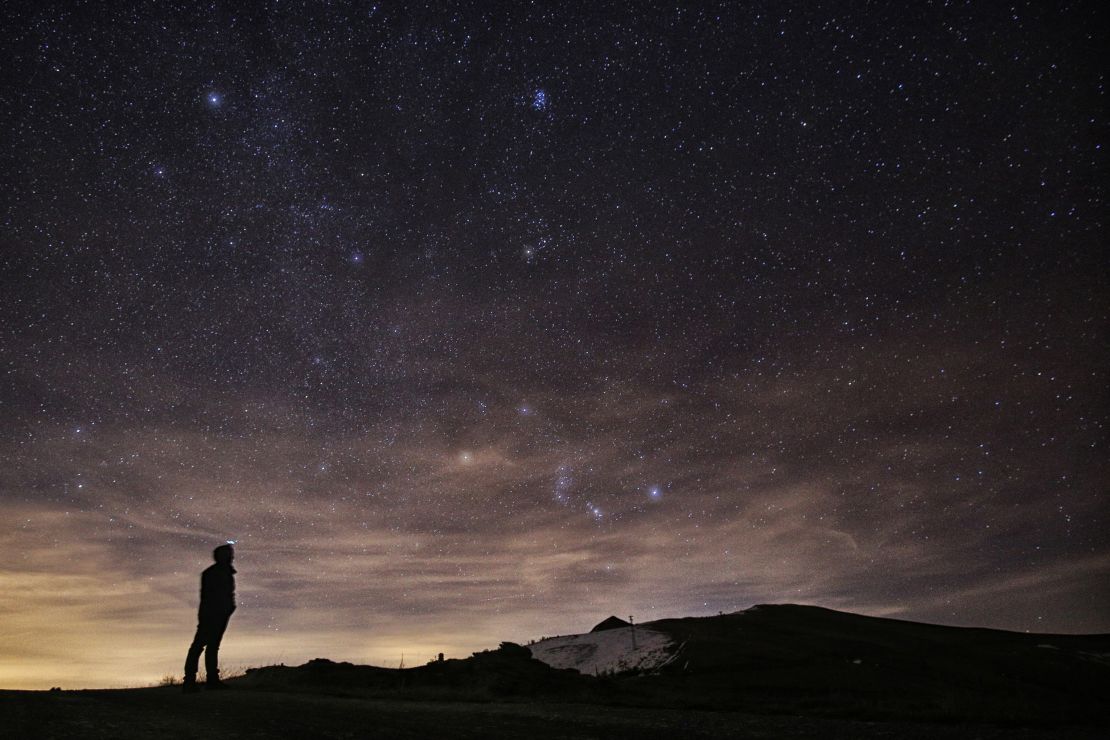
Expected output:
(205, 589)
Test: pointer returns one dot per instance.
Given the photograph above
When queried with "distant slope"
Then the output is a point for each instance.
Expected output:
(608, 651)
(785, 659)
(506, 672)
(794, 656)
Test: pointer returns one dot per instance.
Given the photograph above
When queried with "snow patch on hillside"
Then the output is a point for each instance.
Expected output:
(609, 651)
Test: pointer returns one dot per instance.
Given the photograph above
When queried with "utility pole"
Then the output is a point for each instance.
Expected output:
(632, 625)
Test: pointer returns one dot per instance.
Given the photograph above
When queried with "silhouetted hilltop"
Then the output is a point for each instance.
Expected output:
(611, 623)
(509, 671)
(789, 655)
(772, 658)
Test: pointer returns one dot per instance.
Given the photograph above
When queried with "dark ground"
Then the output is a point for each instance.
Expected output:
(246, 713)
(774, 671)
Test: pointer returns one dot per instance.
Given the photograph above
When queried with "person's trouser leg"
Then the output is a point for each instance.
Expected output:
(215, 635)
(192, 658)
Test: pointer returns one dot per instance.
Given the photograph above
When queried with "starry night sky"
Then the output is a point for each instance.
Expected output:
(479, 322)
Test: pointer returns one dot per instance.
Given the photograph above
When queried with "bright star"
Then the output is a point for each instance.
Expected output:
(562, 485)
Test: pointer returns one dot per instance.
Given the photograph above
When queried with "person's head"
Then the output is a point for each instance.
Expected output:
(223, 554)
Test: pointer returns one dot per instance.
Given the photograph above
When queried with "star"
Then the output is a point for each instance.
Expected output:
(310, 282)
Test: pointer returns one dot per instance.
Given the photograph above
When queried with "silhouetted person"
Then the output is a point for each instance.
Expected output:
(217, 602)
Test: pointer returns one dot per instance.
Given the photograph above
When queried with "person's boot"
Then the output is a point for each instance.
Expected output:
(213, 681)
(189, 685)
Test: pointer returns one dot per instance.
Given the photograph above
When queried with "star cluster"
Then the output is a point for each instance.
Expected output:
(473, 323)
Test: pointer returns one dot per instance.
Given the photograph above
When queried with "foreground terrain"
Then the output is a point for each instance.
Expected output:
(769, 671)
(781, 659)
(247, 713)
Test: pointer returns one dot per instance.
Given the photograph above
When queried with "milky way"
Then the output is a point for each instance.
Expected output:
(473, 325)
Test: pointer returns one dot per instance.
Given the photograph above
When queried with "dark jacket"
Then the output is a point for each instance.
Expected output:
(217, 589)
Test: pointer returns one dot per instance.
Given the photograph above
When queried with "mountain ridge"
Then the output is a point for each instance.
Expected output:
(778, 658)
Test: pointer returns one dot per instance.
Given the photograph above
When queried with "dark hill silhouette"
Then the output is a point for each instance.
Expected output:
(506, 672)
(783, 659)
(610, 623)
(788, 656)
(779, 671)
